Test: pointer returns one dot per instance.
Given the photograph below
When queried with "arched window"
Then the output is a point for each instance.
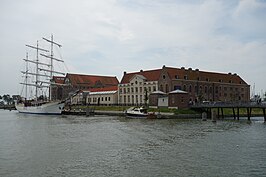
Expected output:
(184, 88)
(190, 88)
(166, 88)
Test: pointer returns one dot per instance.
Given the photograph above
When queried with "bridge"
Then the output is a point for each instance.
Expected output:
(235, 106)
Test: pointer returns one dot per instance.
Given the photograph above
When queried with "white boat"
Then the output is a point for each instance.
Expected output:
(42, 77)
(49, 108)
(139, 112)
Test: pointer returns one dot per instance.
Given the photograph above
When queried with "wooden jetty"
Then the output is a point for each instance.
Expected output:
(235, 106)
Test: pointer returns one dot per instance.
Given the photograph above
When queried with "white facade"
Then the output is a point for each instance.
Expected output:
(77, 99)
(102, 97)
(134, 91)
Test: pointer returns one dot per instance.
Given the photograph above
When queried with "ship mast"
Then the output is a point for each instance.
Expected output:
(26, 81)
(52, 61)
(37, 68)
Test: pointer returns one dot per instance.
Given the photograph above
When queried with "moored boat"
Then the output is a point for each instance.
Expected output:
(41, 78)
(44, 108)
(139, 112)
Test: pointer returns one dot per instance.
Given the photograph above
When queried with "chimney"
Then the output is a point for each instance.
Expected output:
(141, 70)
(125, 72)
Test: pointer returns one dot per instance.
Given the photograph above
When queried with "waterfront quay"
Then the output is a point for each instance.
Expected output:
(211, 107)
(87, 111)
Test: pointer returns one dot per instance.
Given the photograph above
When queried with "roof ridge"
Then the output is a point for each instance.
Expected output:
(89, 75)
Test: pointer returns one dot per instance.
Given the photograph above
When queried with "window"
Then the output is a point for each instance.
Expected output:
(216, 89)
(190, 88)
(185, 77)
(163, 76)
(166, 88)
(109, 98)
(154, 88)
(136, 89)
(184, 88)
(205, 89)
(140, 89)
(210, 90)
(177, 87)
(128, 90)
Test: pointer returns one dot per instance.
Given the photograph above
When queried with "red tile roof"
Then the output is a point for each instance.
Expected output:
(180, 73)
(91, 80)
(150, 75)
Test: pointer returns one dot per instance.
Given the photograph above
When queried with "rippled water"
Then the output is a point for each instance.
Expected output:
(115, 146)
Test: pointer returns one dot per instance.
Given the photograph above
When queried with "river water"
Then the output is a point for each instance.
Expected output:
(35, 146)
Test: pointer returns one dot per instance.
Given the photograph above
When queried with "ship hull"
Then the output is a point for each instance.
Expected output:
(52, 108)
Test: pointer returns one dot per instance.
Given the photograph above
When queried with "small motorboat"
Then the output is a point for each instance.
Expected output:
(139, 112)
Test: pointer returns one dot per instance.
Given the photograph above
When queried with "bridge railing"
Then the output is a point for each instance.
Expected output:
(229, 104)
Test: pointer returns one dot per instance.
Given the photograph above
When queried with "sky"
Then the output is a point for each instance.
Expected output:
(108, 37)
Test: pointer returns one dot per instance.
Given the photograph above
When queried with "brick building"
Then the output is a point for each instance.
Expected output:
(204, 86)
(199, 85)
(64, 86)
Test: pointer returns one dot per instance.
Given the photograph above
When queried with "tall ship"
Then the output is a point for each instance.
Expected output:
(37, 84)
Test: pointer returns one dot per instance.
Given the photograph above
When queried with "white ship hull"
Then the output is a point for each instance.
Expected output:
(51, 108)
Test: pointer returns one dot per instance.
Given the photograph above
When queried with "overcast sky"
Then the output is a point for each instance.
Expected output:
(108, 37)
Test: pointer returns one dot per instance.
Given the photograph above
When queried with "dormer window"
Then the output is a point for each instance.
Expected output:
(163, 76)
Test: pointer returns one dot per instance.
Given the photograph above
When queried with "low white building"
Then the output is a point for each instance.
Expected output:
(102, 97)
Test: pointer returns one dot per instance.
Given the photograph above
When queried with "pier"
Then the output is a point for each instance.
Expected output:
(211, 107)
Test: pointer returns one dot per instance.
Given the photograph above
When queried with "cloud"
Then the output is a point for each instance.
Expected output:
(108, 37)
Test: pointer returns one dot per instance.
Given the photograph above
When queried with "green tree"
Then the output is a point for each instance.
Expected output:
(264, 96)
(8, 99)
